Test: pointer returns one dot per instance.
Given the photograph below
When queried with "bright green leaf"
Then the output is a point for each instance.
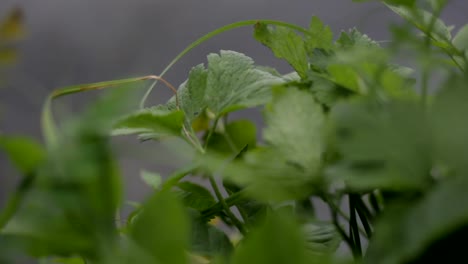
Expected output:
(320, 36)
(25, 153)
(285, 44)
(235, 136)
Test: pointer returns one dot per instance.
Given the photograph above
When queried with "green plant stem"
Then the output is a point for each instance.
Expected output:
(338, 210)
(230, 201)
(213, 34)
(226, 208)
(353, 229)
(211, 132)
(340, 229)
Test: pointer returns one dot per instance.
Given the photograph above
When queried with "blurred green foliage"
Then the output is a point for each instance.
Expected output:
(349, 124)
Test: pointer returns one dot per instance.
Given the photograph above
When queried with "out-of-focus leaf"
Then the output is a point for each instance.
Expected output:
(450, 125)
(235, 137)
(25, 153)
(151, 179)
(196, 196)
(7, 55)
(295, 123)
(285, 44)
(422, 20)
(383, 146)
(12, 27)
(321, 238)
(266, 174)
(460, 41)
(154, 123)
(406, 232)
(162, 229)
(209, 240)
(278, 240)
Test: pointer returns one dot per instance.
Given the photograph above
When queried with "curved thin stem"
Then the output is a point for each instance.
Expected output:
(226, 208)
(49, 129)
(213, 34)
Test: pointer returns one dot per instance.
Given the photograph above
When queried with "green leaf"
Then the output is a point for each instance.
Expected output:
(320, 36)
(417, 226)
(151, 179)
(285, 44)
(162, 229)
(234, 137)
(449, 125)
(422, 20)
(195, 196)
(278, 240)
(383, 146)
(295, 123)
(321, 238)
(24, 153)
(460, 41)
(354, 38)
(192, 94)
(151, 123)
(231, 82)
(209, 240)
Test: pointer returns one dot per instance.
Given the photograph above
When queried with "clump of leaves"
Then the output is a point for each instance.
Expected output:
(348, 125)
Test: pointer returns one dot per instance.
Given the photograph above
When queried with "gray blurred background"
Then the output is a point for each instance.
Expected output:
(81, 41)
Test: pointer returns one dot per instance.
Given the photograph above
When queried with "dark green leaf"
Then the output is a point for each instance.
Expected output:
(209, 240)
(406, 232)
(162, 229)
(383, 146)
(196, 196)
(278, 240)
